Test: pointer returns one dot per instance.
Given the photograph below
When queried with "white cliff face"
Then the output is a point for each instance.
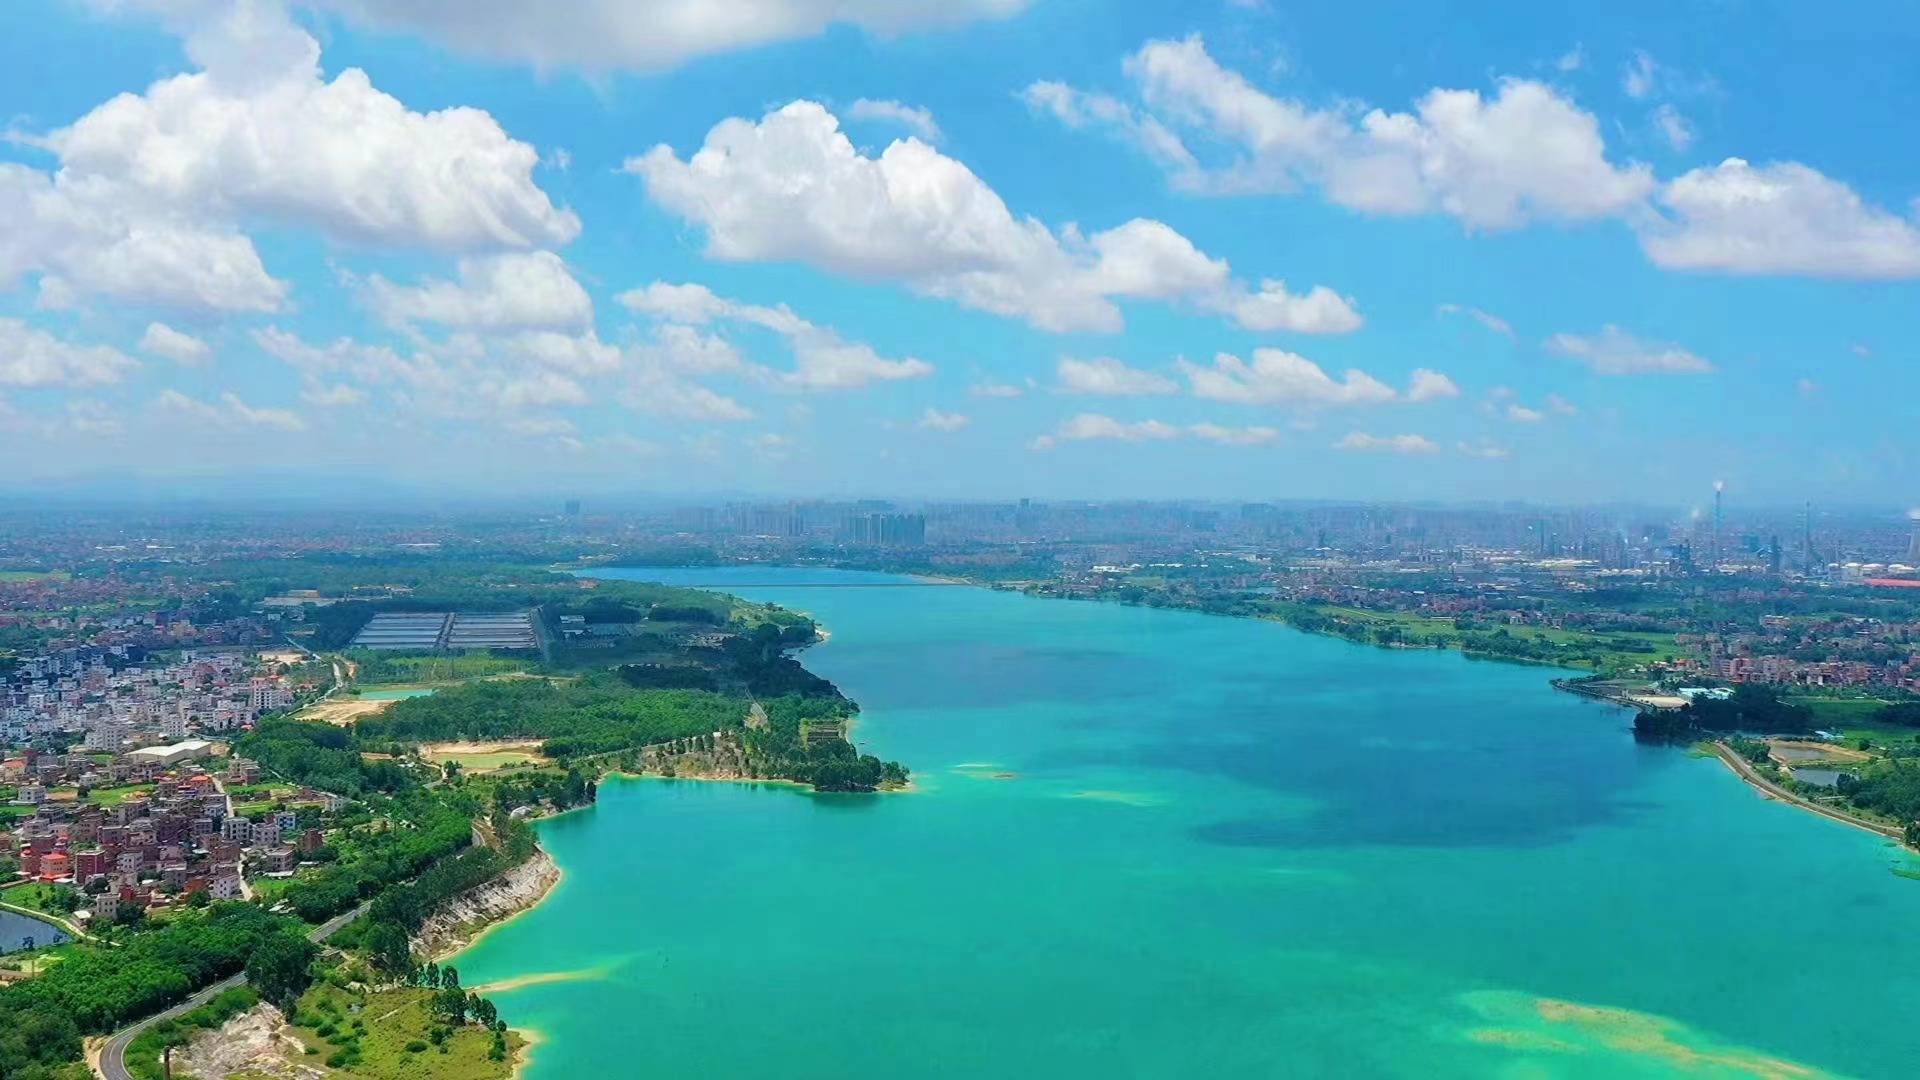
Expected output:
(463, 918)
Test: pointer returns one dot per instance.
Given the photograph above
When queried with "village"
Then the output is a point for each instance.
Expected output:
(146, 809)
(98, 843)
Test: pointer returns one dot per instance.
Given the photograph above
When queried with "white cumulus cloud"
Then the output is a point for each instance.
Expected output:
(1278, 377)
(152, 189)
(31, 358)
(1614, 351)
(648, 35)
(916, 119)
(823, 360)
(793, 187)
(1104, 376)
(176, 345)
(511, 291)
(1782, 218)
(1361, 442)
(229, 411)
(1524, 154)
(1428, 385)
(935, 420)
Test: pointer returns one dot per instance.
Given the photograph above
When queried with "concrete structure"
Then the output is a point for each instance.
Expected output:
(171, 754)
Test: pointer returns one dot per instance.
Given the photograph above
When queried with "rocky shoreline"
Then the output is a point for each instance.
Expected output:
(464, 918)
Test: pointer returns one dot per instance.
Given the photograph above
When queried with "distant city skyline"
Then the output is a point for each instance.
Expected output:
(974, 250)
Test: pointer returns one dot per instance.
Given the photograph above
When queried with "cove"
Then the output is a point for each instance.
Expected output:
(1150, 843)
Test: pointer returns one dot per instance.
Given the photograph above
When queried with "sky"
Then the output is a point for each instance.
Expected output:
(963, 249)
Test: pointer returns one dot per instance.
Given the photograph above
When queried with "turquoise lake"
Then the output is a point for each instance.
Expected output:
(1150, 844)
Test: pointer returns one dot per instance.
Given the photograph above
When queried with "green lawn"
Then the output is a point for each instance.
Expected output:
(13, 576)
(489, 762)
(36, 896)
(113, 796)
(389, 1022)
(255, 792)
(35, 961)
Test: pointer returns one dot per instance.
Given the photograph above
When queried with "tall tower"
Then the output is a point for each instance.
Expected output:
(1806, 540)
(1913, 545)
(1719, 491)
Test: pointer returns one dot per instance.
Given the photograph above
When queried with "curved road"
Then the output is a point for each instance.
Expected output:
(113, 1056)
(1745, 771)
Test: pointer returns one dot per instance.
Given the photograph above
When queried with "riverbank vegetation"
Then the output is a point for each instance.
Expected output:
(1752, 709)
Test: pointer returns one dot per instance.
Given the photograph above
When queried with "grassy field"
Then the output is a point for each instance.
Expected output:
(483, 757)
(37, 961)
(9, 577)
(256, 792)
(388, 1034)
(494, 762)
(114, 796)
(36, 896)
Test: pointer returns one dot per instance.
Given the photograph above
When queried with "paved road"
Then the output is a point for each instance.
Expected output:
(1746, 772)
(113, 1056)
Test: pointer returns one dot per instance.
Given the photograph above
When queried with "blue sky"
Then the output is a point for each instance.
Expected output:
(976, 248)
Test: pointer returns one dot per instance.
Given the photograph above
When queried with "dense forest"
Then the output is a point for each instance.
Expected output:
(97, 989)
(321, 755)
(1890, 787)
(593, 714)
(779, 748)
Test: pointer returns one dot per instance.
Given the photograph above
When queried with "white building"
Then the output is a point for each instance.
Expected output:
(173, 754)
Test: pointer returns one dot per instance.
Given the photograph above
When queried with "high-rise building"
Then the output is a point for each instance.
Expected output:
(1719, 493)
(1806, 538)
(885, 530)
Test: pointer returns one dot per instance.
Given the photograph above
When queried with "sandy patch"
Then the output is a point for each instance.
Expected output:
(1124, 798)
(429, 750)
(342, 710)
(981, 770)
(540, 978)
(1814, 752)
(255, 1043)
(1537, 1027)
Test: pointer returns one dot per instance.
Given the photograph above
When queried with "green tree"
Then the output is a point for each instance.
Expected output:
(279, 967)
(386, 945)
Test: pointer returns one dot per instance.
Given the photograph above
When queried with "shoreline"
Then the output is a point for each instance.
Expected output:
(529, 1038)
(466, 933)
(769, 781)
(1775, 793)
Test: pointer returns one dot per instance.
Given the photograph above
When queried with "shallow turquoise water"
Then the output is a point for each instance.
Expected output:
(1152, 843)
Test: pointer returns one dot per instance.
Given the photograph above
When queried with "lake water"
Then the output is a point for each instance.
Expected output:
(1152, 844)
(19, 931)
